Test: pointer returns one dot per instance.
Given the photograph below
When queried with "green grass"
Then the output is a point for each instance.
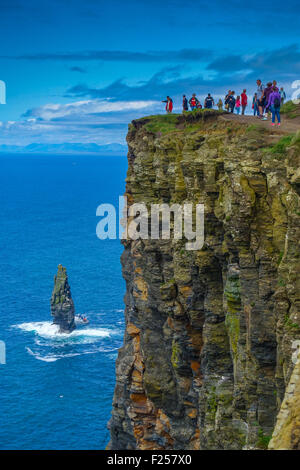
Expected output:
(281, 146)
(187, 122)
(263, 440)
(280, 257)
(255, 128)
(288, 322)
(290, 109)
(162, 123)
(296, 140)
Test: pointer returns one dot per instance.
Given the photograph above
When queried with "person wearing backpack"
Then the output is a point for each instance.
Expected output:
(193, 102)
(268, 90)
(230, 101)
(274, 103)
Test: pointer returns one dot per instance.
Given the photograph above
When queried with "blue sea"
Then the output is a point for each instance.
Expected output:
(56, 390)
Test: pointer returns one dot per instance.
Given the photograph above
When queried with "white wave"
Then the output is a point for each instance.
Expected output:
(56, 357)
(40, 358)
(48, 330)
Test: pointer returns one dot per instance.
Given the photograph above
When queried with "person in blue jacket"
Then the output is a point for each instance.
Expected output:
(185, 104)
(209, 102)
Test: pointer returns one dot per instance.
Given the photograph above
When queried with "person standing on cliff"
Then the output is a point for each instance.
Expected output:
(244, 101)
(260, 97)
(255, 105)
(193, 102)
(185, 105)
(169, 104)
(209, 102)
(282, 95)
(267, 92)
(274, 103)
(226, 100)
(238, 104)
(230, 101)
(220, 105)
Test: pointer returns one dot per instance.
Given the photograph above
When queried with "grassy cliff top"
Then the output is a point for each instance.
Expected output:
(165, 123)
(211, 119)
(290, 110)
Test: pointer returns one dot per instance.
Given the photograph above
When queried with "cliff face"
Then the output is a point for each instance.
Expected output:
(286, 435)
(62, 305)
(209, 333)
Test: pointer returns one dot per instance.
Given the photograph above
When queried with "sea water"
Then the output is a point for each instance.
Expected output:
(56, 390)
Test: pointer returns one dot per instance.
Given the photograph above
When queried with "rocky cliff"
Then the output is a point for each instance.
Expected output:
(209, 335)
(286, 435)
(62, 305)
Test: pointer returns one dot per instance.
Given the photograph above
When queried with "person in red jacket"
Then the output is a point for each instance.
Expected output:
(244, 101)
(194, 102)
(169, 104)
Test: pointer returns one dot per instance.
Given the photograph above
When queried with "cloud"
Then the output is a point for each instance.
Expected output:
(99, 121)
(227, 71)
(78, 109)
(279, 62)
(224, 73)
(183, 55)
(168, 81)
(58, 132)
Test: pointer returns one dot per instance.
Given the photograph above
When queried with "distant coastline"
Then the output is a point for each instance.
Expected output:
(64, 149)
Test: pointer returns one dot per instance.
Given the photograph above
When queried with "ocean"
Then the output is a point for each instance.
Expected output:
(56, 390)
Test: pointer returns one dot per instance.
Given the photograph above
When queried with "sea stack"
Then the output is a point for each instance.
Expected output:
(62, 305)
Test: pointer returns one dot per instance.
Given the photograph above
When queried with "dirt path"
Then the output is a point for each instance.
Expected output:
(288, 126)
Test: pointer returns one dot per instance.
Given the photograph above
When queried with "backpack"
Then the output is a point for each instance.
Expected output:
(231, 101)
(277, 102)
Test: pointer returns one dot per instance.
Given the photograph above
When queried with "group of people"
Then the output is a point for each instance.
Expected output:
(266, 100)
(193, 102)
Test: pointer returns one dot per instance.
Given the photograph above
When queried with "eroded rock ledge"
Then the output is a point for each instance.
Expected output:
(208, 342)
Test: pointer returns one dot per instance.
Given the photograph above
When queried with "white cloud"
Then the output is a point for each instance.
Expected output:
(54, 111)
(100, 121)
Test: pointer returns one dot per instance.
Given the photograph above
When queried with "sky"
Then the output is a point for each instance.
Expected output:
(81, 70)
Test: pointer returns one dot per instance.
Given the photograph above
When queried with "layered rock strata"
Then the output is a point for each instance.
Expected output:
(207, 351)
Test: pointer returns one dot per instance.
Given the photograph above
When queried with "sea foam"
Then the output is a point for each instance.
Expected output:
(48, 330)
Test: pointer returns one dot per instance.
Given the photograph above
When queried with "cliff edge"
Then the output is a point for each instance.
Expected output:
(207, 352)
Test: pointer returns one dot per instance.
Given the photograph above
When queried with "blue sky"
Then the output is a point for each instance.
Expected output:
(79, 71)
